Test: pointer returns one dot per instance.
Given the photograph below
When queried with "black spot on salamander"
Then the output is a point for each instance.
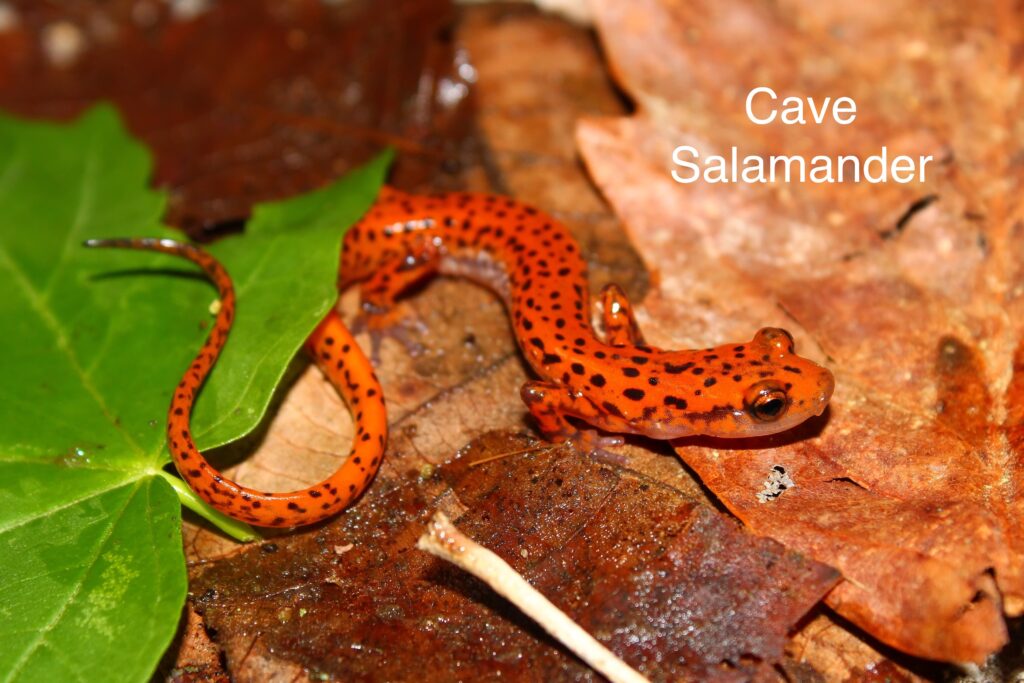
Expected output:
(538, 342)
(710, 382)
(551, 359)
(677, 369)
(598, 380)
(698, 371)
(578, 368)
(675, 401)
(737, 378)
(789, 368)
(639, 360)
(612, 409)
(634, 394)
(653, 381)
(630, 372)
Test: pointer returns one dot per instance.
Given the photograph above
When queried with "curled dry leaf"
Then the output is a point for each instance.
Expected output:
(911, 293)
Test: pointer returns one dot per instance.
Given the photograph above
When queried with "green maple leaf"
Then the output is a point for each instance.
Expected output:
(92, 345)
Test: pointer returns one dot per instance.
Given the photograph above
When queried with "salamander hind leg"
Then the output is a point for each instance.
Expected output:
(551, 404)
(379, 314)
(620, 328)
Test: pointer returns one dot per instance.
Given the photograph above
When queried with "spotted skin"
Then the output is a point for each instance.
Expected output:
(336, 354)
(614, 382)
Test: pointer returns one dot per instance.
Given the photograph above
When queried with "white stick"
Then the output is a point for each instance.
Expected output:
(445, 541)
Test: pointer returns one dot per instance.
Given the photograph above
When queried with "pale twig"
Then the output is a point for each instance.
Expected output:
(445, 541)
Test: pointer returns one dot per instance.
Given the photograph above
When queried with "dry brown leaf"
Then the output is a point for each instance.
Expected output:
(909, 484)
(198, 659)
(672, 587)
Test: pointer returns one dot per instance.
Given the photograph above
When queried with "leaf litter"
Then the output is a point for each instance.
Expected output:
(909, 293)
(525, 112)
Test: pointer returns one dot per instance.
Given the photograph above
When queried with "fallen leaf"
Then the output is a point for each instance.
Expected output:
(198, 659)
(666, 583)
(303, 92)
(911, 293)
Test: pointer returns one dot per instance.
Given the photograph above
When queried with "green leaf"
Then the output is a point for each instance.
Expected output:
(94, 343)
(285, 270)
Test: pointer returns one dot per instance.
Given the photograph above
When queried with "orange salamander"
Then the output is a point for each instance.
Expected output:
(612, 382)
(336, 354)
(617, 383)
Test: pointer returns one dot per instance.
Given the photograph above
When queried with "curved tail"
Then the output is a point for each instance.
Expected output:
(334, 350)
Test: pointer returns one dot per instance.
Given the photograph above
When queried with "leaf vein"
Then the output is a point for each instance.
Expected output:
(50, 511)
(41, 308)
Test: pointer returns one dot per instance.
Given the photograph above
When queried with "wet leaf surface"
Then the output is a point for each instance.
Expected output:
(910, 293)
(667, 583)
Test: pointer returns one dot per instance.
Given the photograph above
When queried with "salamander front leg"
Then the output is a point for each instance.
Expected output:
(379, 315)
(620, 328)
(551, 404)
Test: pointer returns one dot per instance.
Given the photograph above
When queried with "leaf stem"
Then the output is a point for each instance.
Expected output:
(239, 531)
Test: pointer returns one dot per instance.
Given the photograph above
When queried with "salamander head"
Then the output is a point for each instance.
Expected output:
(735, 390)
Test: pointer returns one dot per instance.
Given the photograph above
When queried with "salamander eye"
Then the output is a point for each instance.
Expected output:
(766, 401)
